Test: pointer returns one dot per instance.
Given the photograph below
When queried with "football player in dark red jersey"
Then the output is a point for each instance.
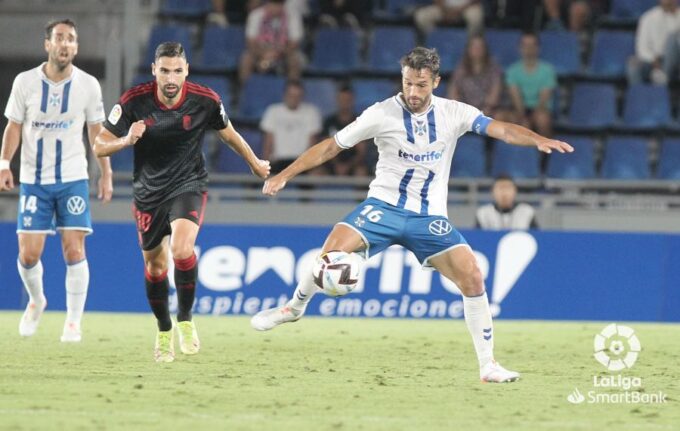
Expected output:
(164, 120)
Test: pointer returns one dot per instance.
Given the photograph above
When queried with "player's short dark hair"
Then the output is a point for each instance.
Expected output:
(50, 26)
(170, 49)
(422, 58)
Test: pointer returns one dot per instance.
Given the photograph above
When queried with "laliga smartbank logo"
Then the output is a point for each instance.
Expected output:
(616, 348)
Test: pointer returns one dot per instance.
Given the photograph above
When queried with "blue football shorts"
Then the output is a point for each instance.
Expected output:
(45, 208)
(382, 225)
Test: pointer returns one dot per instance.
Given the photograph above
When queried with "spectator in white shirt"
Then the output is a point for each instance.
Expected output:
(505, 213)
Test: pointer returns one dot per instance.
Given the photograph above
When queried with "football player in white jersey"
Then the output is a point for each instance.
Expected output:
(46, 112)
(416, 134)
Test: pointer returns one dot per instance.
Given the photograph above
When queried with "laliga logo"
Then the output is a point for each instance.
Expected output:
(616, 347)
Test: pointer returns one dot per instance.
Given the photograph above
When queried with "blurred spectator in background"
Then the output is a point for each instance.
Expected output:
(351, 161)
(530, 15)
(273, 36)
(478, 80)
(451, 12)
(289, 128)
(531, 83)
(226, 11)
(505, 213)
(343, 13)
(654, 29)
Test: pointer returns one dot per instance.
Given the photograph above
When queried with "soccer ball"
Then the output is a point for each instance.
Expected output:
(337, 272)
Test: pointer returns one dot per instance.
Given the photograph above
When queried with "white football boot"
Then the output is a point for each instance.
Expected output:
(492, 372)
(269, 319)
(31, 318)
(71, 333)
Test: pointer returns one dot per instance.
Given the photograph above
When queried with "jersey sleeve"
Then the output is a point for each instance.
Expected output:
(218, 118)
(16, 105)
(366, 126)
(94, 112)
(119, 120)
(465, 116)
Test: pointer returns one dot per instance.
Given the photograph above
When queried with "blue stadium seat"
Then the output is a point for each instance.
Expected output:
(577, 165)
(518, 162)
(388, 45)
(610, 54)
(141, 78)
(186, 8)
(504, 45)
(167, 33)
(222, 47)
(123, 160)
(562, 50)
(646, 107)
(626, 158)
(396, 10)
(258, 92)
(630, 9)
(230, 162)
(450, 43)
(321, 92)
(669, 159)
(369, 91)
(218, 84)
(336, 51)
(469, 160)
(593, 106)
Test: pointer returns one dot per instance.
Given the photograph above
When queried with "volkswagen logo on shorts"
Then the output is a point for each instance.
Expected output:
(76, 205)
(440, 227)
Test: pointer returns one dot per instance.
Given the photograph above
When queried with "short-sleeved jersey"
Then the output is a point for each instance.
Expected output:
(414, 150)
(52, 115)
(168, 160)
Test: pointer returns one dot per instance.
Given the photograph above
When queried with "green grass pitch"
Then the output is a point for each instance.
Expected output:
(323, 374)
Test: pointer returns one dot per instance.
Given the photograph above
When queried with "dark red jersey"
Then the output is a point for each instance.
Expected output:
(168, 157)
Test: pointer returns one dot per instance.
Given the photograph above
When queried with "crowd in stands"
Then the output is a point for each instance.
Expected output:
(599, 73)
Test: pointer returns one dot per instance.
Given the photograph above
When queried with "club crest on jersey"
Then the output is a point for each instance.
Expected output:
(55, 99)
(186, 122)
(421, 129)
(115, 114)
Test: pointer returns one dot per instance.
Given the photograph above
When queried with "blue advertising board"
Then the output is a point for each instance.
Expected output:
(244, 269)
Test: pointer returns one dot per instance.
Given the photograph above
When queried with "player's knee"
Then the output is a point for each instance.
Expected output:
(74, 252)
(28, 258)
(182, 250)
(156, 268)
(472, 280)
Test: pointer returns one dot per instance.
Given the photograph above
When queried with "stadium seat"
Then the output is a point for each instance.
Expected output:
(518, 162)
(123, 161)
(469, 160)
(222, 48)
(577, 165)
(388, 45)
(165, 33)
(321, 92)
(231, 163)
(141, 78)
(629, 10)
(504, 45)
(593, 106)
(610, 54)
(562, 50)
(186, 8)
(646, 107)
(450, 43)
(258, 92)
(626, 158)
(369, 91)
(218, 84)
(336, 51)
(669, 160)
(396, 10)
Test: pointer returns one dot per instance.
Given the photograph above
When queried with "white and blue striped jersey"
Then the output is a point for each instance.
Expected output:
(414, 150)
(52, 117)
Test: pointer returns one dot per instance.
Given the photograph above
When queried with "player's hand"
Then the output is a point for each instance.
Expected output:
(273, 185)
(261, 168)
(6, 180)
(136, 131)
(105, 188)
(547, 145)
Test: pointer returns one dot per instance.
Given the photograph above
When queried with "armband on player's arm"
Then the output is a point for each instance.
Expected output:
(480, 124)
(4, 164)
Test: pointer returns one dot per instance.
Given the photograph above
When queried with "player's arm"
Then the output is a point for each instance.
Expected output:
(106, 143)
(105, 183)
(518, 135)
(231, 137)
(313, 157)
(10, 142)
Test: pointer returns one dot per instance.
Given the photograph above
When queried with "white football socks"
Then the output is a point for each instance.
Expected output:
(33, 281)
(304, 292)
(77, 281)
(478, 320)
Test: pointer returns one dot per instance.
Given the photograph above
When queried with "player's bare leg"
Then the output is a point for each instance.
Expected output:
(156, 280)
(77, 282)
(460, 266)
(184, 233)
(30, 269)
(341, 238)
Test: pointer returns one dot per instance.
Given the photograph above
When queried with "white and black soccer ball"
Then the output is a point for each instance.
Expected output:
(337, 272)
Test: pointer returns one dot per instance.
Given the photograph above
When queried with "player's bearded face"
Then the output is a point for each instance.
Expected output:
(417, 86)
(62, 46)
(170, 72)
